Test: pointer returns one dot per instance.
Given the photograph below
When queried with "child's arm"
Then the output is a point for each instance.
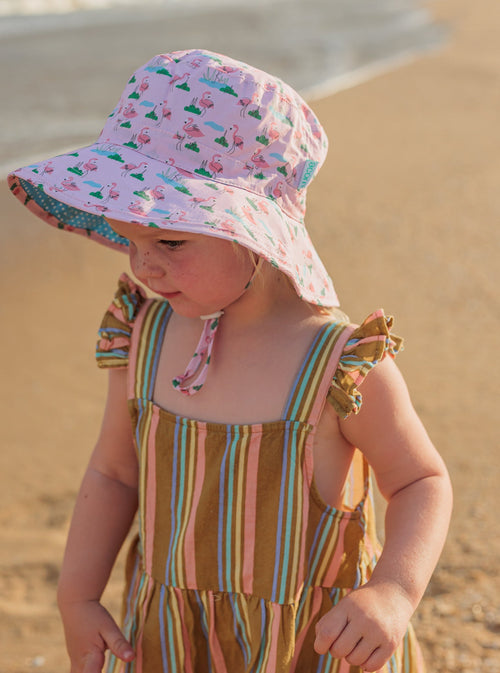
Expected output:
(104, 511)
(368, 624)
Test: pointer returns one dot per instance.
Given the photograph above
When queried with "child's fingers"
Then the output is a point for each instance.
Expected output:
(328, 629)
(377, 659)
(348, 642)
(116, 642)
(359, 655)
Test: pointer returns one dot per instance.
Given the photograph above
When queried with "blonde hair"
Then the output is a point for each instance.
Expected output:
(333, 312)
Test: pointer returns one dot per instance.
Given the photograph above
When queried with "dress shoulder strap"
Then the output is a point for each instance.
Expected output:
(145, 347)
(309, 391)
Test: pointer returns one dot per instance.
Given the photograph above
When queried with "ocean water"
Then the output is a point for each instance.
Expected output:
(33, 7)
(62, 73)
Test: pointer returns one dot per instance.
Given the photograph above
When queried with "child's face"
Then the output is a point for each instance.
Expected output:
(197, 274)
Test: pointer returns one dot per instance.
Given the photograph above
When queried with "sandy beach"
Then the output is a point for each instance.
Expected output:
(405, 215)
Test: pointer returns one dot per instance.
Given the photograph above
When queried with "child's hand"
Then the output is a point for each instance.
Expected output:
(366, 626)
(90, 631)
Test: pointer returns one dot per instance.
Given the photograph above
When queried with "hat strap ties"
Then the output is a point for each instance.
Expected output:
(201, 358)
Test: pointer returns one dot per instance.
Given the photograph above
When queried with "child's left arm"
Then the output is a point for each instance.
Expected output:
(367, 625)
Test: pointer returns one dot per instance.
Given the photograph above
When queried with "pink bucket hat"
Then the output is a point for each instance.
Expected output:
(198, 142)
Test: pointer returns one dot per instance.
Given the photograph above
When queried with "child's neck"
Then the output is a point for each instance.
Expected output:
(259, 347)
(269, 299)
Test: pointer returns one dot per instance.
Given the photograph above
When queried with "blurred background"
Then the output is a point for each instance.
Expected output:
(71, 65)
(404, 213)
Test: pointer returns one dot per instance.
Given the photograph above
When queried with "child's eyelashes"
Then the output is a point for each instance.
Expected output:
(171, 244)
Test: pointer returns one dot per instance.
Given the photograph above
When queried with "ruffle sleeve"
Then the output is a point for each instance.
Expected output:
(112, 349)
(368, 344)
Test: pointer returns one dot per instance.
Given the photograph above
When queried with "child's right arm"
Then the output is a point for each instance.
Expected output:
(103, 514)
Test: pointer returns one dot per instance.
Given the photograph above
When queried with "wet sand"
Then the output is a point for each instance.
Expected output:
(405, 213)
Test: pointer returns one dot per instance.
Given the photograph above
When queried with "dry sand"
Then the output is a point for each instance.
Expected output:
(405, 214)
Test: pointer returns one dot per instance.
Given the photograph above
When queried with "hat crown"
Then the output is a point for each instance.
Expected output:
(207, 115)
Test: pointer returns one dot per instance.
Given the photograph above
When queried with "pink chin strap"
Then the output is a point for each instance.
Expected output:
(198, 364)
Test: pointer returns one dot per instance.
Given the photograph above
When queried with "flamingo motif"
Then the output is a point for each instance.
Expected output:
(128, 168)
(227, 227)
(113, 193)
(89, 166)
(226, 69)
(276, 190)
(245, 102)
(162, 59)
(258, 160)
(144, 85)
(143, 138)
(178, 216)
(215, 166)
(67, 185)
(47, 169)
(137, 208)
(178, 78)
(197, 201)
(130, 112)
(237, 140)
(158, 192)
(97, 207)
(195, 63)
(192, 130)
(206, 102)
(166, 113)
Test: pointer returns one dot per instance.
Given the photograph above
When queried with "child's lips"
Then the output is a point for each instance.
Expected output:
(168, 295)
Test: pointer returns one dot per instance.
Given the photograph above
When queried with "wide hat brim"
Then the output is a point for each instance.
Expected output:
(77, 190)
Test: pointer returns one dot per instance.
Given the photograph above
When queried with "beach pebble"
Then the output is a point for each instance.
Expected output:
(38, 661)
(445, 608)
(478, 612)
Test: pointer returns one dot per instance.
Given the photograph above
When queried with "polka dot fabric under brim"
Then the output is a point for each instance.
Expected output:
(73, 218)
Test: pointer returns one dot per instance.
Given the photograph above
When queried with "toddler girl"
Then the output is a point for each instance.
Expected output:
(256, 548)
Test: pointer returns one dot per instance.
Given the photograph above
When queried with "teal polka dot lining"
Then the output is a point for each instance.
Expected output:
(73, 217)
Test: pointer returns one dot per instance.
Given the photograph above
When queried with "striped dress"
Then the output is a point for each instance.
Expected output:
(237, 556)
